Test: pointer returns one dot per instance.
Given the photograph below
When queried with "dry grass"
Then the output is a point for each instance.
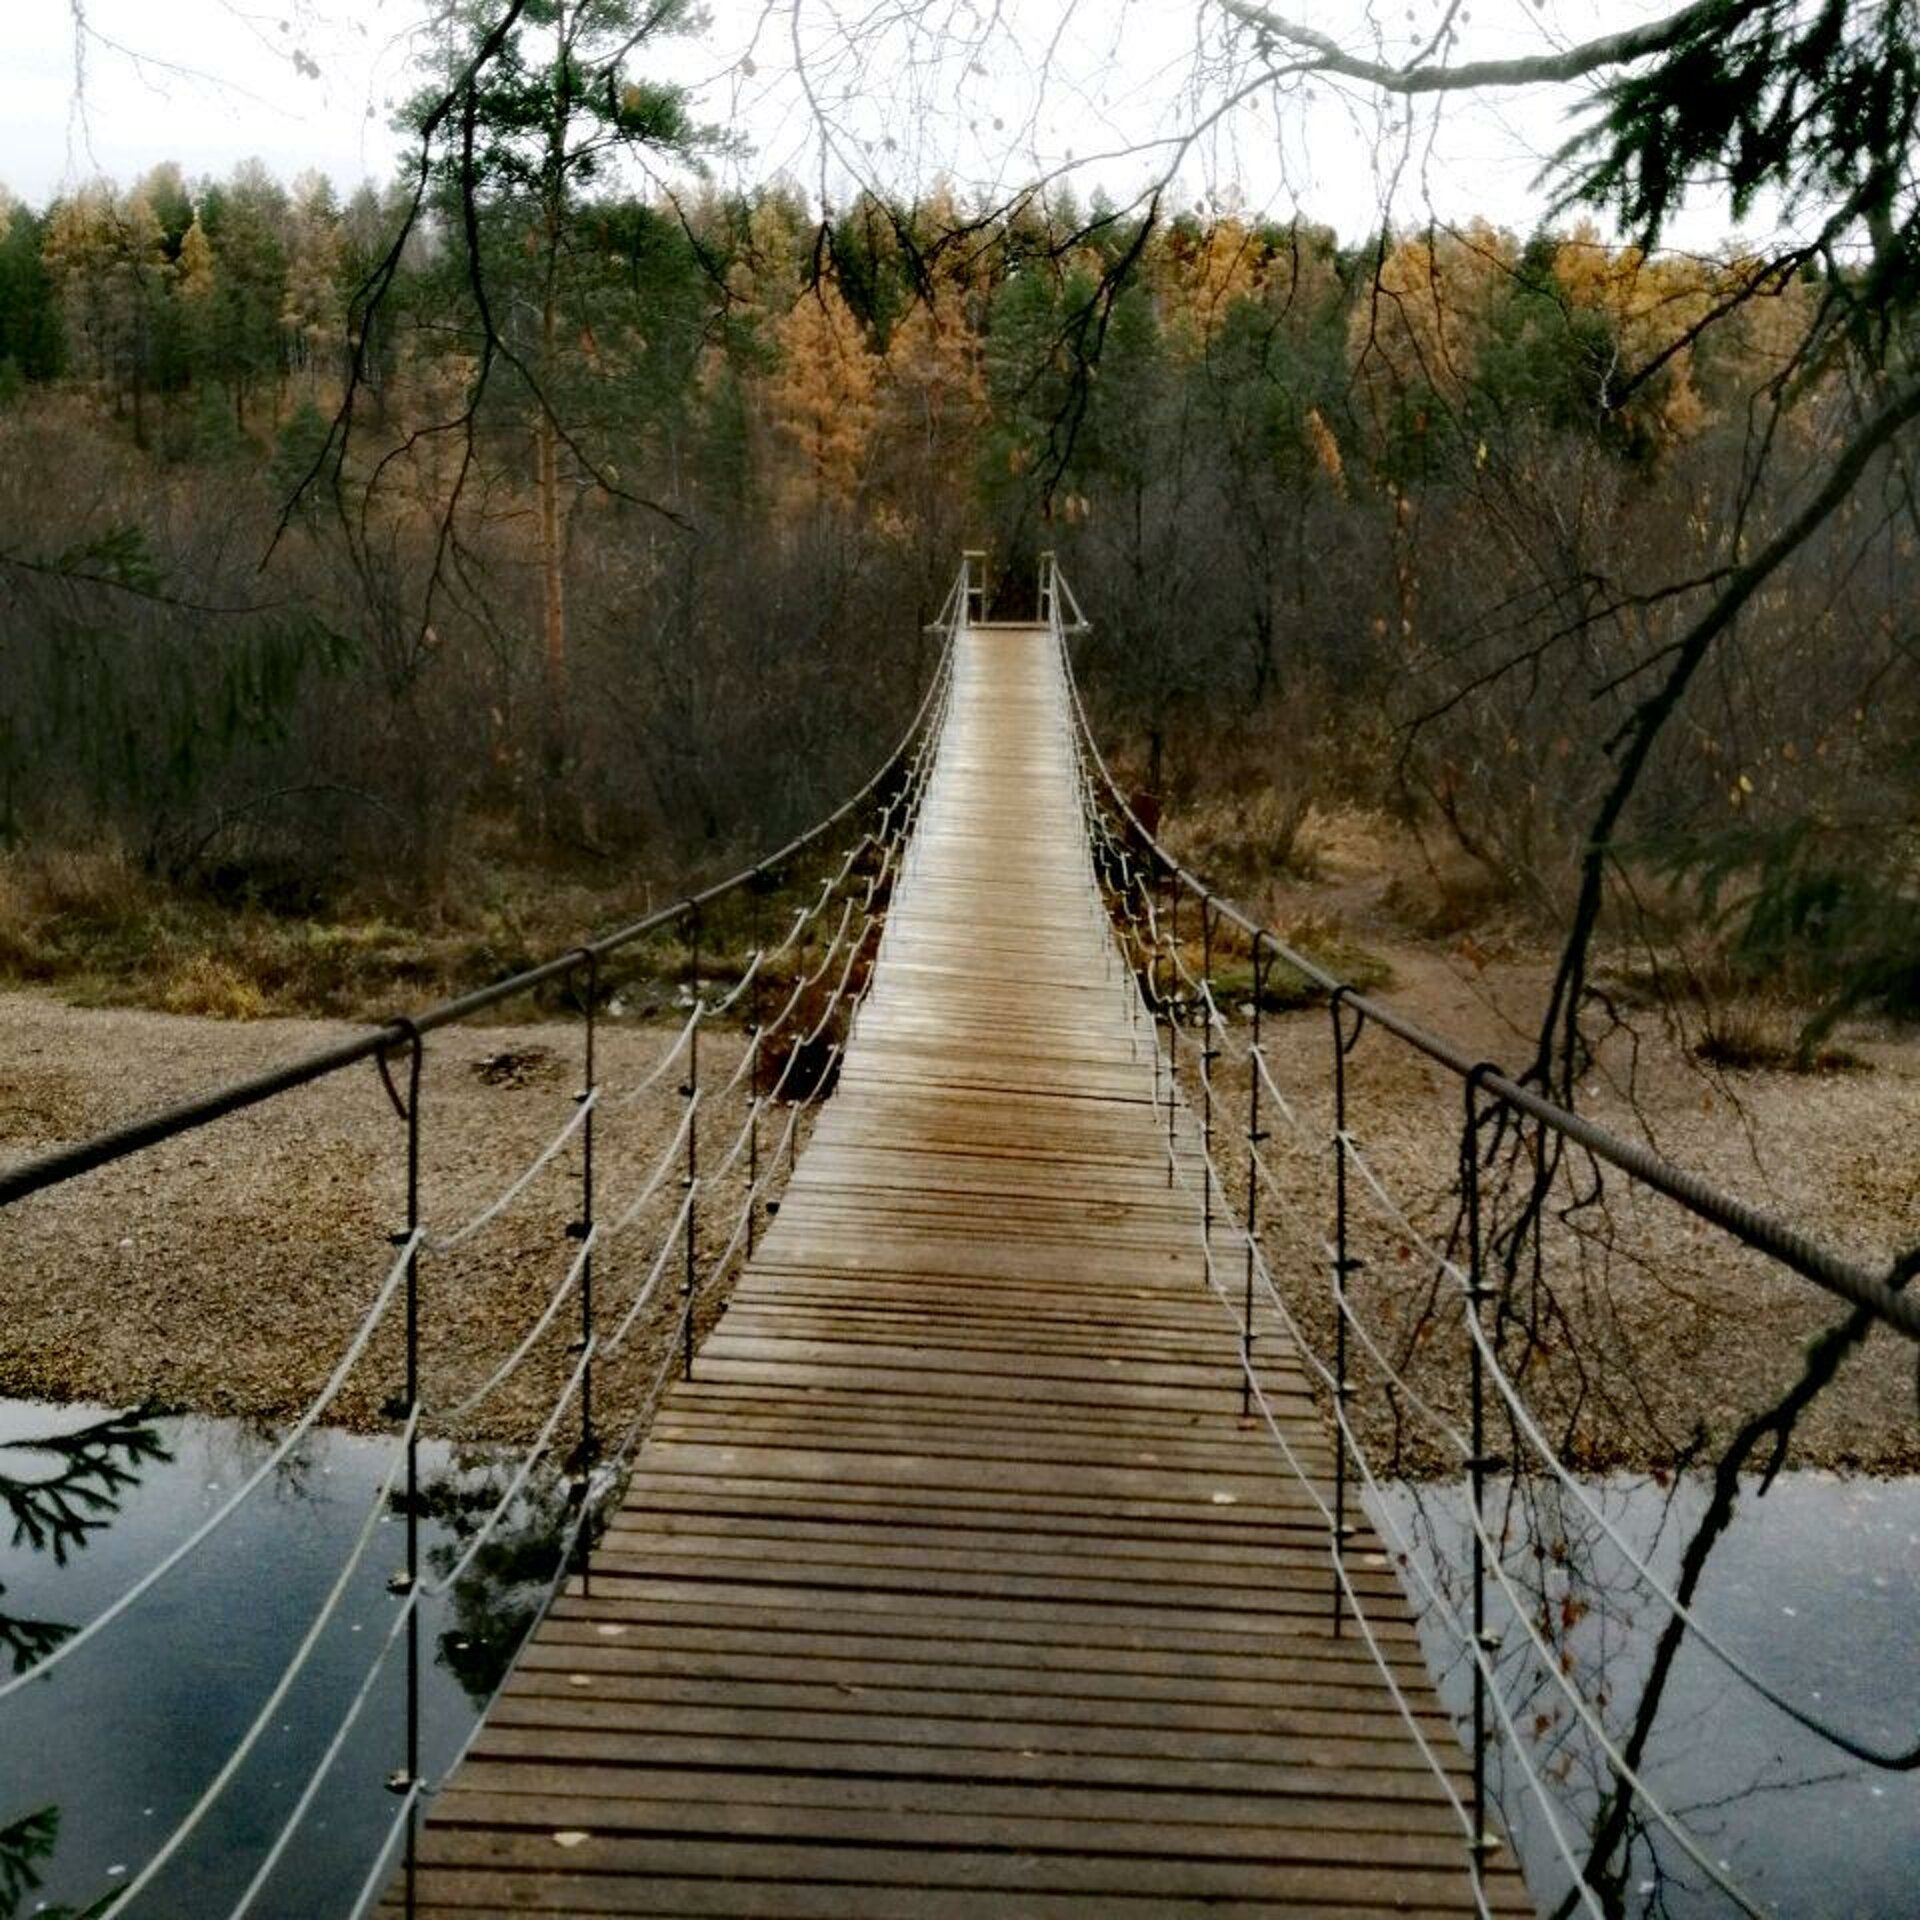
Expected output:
(96, 930)
(1756, 1036)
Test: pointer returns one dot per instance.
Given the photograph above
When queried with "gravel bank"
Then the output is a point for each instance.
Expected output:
(225, 1271)
(1648, 1333)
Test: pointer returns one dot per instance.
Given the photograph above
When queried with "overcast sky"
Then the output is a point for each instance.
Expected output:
(1057, 83)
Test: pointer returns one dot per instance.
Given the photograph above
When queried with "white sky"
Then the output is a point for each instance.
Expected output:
(208, 83)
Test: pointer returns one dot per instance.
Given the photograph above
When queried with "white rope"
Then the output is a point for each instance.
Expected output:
(652, 1280)
(641, 1088)
(376, 1880)
(1735, 1663)
(669, 1157)
(447, 1242)
(439, 1589)
(294, 1435)
(1549, 1659)
(1550, 1665)
(317, 1778)
(505, 1369)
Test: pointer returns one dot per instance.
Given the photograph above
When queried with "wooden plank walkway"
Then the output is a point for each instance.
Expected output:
(953, 1584)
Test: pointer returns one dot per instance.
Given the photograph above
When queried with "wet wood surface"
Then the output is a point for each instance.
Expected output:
(954, 1582)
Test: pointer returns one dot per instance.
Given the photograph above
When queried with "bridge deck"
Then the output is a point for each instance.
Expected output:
(954, 1585)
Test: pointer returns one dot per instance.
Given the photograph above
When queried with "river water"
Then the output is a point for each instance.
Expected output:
(1815, 1588)
(105, 1755)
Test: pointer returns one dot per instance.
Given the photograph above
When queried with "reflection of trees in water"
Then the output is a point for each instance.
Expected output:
(1613, 1639)
(497, 1600)
(77, 1492)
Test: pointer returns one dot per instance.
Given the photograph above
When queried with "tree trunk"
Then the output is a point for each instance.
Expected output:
(552, 580)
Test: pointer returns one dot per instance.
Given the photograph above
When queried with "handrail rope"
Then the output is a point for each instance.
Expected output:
(755, 1108)
(376, 1880)
(440, 1588)
(1308, 1485)
(1397, 1381)
(317, 1778)
(1550, 1664)
(66, 1163)
(1442, 1264)
(759, 1185)
(628, 1096)
(450, 1242)
(1890, 1759)
(1577, 1700)
(667, 1242)
(505, 1370)
(819, 1026)
(772, 1096)
(443, 1585)
(1442, 1611)
(1878, 1291)
(605, 1474)
(1440, 1607)
(408, 1251)
(396, 1275)
(800, 987)
(663, 1165)
(263, 1719)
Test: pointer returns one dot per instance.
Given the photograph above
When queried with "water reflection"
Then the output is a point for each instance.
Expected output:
(100, 1759)
(498, 1599)
(1811, 1587)
(60, 1489)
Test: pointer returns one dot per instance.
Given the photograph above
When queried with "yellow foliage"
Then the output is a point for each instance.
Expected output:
(1649, 305)
(822, 398)
(935, 382)
(1205, 279)
(1432, 302)
(1326, 449)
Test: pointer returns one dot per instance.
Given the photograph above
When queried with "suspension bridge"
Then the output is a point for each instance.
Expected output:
(1000, 1547)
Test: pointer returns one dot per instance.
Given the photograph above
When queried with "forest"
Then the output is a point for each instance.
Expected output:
(405, 581)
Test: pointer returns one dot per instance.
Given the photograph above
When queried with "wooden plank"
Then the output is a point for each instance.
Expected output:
(955, 1583)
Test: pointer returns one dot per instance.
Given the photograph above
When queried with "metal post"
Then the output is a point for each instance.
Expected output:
(1484, 1644)
(1209, 1053)
(582, 1229)
(405, 1584)
(1254, 1138)
(1344, 1264)
(1173, 1026)
(753, 1072)
(690, 1088)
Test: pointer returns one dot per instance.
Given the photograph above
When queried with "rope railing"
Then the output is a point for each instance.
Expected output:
(1163, 986)
(1435, 1605)
(1550, 1664)
(810, 1023)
